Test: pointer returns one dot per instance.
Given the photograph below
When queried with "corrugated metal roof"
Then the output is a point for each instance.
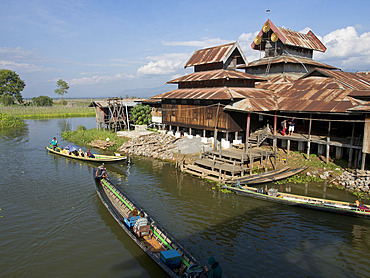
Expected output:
(104, 103)
(213, 54)
(308, 40)
(253, 105)
(215, 75)
(287, 59)
(221, 93)
(290, 37)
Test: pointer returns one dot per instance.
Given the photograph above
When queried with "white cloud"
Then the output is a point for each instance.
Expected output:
(346, 48)
(164, 64)
(207, 42)
(100, 79)
(16, 53)
(23, 67)
(245, 40)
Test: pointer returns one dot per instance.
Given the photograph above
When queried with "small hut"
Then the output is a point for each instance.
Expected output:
(113, 113)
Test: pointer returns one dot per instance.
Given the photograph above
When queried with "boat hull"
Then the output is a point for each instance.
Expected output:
(102, 187)
(332, 206)
(98, 158)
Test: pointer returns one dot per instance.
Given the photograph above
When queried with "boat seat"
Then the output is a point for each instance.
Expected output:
(131, 222)
(143, 231)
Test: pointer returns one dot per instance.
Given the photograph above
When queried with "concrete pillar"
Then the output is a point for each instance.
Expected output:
(283, 144)
(338, 152)
(301, 146)
(320, 149)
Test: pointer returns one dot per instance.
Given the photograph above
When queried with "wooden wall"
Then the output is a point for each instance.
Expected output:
(201, 117)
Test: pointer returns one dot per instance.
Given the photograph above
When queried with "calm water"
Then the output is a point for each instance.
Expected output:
(52, 224)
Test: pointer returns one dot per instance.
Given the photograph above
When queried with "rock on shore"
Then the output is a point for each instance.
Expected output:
(358, 180)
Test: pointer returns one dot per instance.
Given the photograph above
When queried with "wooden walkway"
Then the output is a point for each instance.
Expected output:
(226, 164)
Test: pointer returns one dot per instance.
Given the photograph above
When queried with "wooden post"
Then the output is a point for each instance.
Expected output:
(250, 160)
(275, 123)
(363, 161)
(327, 149)
(247, 131)
(236, 135)
(215, 133)
(351, 149)
(287, 149)
(327, 144)
(204, 133)
(309, 138)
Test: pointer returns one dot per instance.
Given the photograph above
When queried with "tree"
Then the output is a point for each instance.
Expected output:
(42, 101)
(62, 88)
(11, 84)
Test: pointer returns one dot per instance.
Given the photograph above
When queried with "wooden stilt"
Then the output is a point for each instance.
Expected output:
(247, 131)
(351, 149)
(363, 161)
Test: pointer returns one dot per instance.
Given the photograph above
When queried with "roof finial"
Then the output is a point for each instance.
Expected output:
(268, 12)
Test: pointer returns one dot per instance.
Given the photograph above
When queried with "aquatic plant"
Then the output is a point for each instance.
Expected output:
(82, 136)
(10, 121)
(297, 179)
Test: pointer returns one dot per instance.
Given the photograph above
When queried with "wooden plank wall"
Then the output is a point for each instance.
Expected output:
(366, 141)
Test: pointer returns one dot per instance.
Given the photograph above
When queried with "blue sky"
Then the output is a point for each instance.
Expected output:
(118, 48)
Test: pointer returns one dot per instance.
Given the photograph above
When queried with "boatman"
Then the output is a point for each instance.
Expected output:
(54, 143)
(101, 172)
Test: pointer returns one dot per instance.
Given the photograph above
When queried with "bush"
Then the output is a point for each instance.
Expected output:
(42, 101)
(7, 100)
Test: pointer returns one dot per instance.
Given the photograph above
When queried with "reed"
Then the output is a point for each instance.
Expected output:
(40, 112)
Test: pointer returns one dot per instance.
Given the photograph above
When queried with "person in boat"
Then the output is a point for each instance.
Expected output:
(215, 270)
(81, 153)
(75, 152)
(89, 154)
(101, 172)
(133, 213)
(142, 221)
(54, 143)
(362, 207)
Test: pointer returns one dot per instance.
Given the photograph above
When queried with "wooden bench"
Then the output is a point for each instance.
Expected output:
(143, 231)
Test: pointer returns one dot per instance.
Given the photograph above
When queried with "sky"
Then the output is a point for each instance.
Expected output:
(132, 48)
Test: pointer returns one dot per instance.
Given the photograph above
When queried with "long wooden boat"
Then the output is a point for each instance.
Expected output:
(158, 244)
(278, 176)
(338, 207)
(97, 157)
(246, 179)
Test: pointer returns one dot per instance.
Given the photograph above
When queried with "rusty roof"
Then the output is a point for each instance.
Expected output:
(294, 38)
(287, 59)
(214, 54)
(215, 75)
(221, 93)
(253, 105)
(106, 103)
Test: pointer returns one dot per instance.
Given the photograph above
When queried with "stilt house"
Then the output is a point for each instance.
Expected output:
(197, 106)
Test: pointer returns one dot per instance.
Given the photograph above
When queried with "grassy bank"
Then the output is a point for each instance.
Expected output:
(83, 137)
(7, 121)
(40, 112)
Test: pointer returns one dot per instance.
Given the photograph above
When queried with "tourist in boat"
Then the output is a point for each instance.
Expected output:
(54, 143)
(89, 154)
(81, 153)
(101, 172)
(215, 271)
(133, 213)
(142, 221)
(362, 207)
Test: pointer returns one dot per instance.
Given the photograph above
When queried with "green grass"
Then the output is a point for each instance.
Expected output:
(84, 137)
(42, 112)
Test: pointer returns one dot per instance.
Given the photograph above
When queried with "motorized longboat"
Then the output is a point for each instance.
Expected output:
(96, 158)
(157, 243)
(333, 206)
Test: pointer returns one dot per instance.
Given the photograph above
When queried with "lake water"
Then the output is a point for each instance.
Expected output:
(52, 223)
